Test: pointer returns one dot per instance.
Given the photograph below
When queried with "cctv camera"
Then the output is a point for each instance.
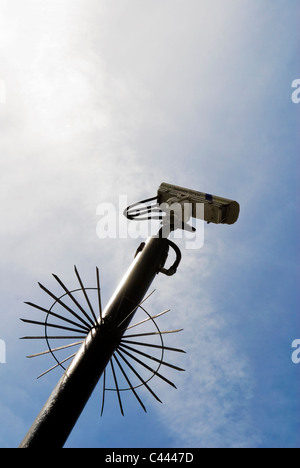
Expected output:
(216, 209)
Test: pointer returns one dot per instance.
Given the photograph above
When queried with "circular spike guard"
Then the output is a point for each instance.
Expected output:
(138, 358)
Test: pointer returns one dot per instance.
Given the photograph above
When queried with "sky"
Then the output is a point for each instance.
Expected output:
(102, 99)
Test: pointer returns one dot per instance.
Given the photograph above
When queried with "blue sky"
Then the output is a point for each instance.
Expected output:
(101, 99)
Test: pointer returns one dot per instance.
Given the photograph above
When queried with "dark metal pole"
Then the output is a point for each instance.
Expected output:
(65, 404)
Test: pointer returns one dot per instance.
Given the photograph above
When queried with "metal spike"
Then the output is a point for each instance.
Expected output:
(58, 316)
(99, 294)
(103, 391)
(167, 348)
(54, 349)
(56, 365)
(117, 388)
(85, 295)
(75, 302)
(138, 375)
(160, 361)
(154, 333)
(148, 367)
(35, 322)
(44, 337)
(129, 383)
(147, 319)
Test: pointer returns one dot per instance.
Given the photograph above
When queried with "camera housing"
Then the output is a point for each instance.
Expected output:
(217, 210)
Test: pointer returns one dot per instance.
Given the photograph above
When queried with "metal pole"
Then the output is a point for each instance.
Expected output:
(65, 404)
